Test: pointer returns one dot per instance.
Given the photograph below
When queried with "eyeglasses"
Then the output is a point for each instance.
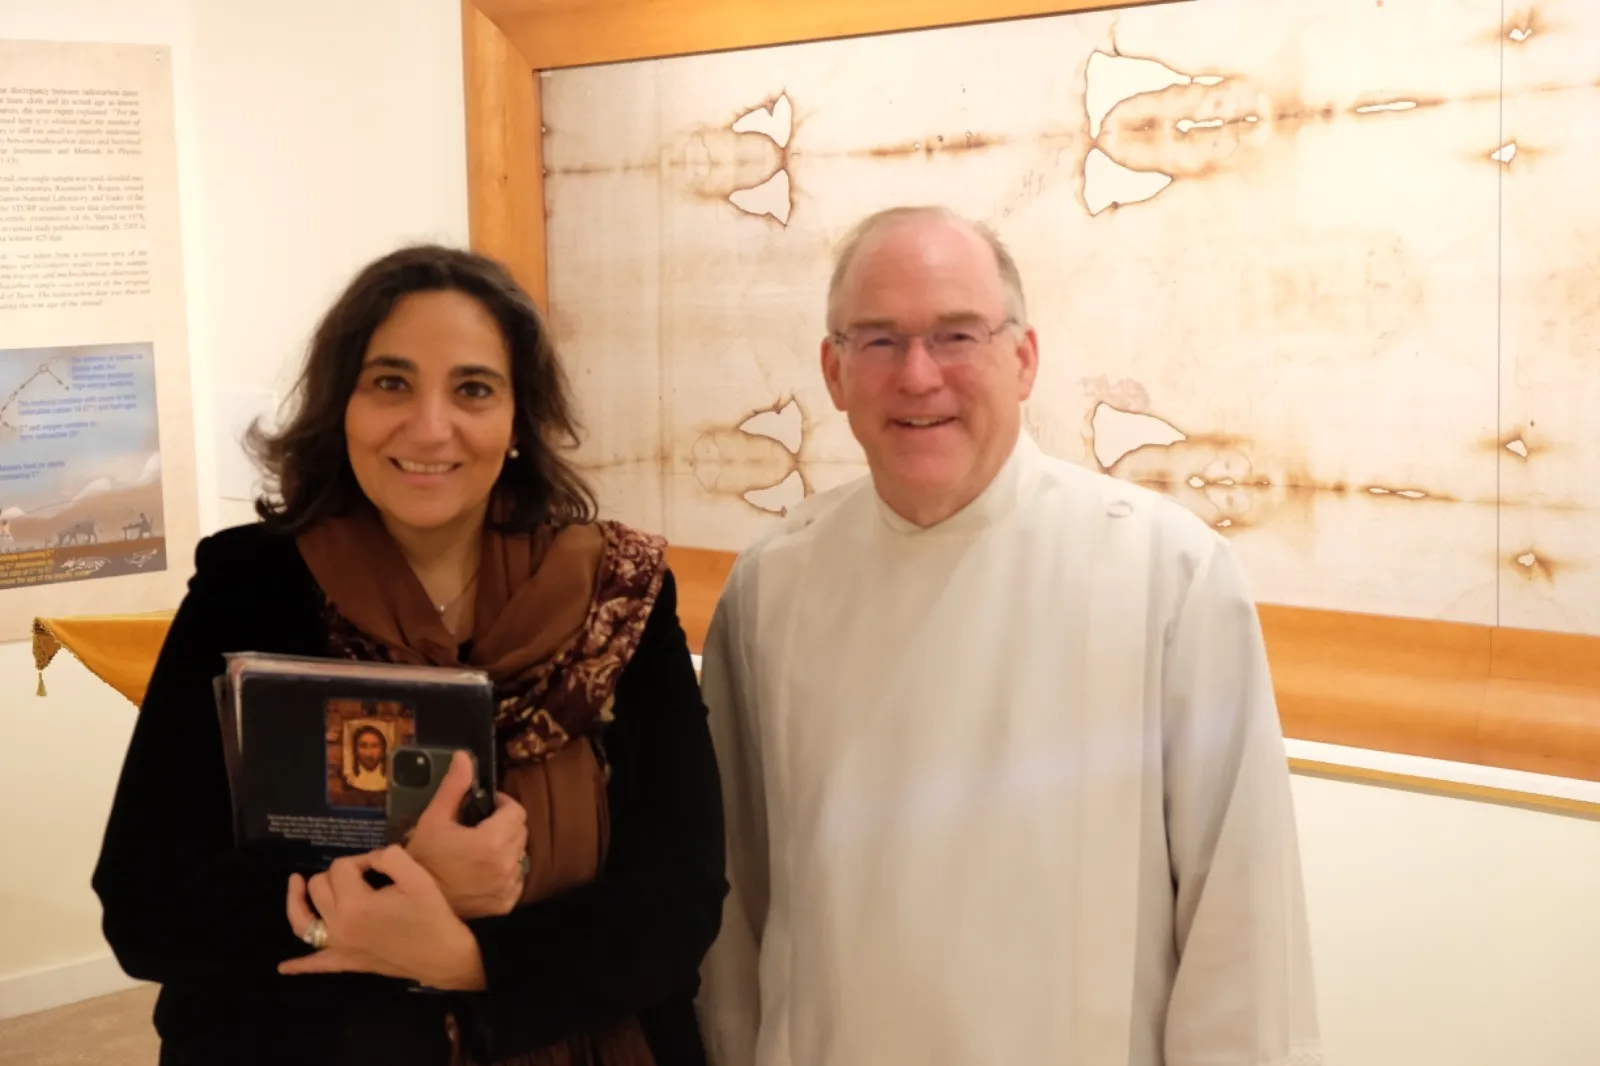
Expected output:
(948, 345)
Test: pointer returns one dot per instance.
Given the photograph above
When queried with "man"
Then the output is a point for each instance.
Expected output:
(1004, 776)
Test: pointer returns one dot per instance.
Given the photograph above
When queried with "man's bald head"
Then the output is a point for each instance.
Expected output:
(874, 226)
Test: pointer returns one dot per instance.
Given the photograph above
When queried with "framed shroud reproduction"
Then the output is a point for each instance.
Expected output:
(1323, 272)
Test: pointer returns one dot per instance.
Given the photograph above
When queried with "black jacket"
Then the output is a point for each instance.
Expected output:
(183, 909)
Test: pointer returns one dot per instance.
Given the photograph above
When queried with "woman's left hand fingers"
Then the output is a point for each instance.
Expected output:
(340, 960)
(329, 960)
(397, 931)
(322, 896)
(347, 877)
(395, 863)
(298, 906)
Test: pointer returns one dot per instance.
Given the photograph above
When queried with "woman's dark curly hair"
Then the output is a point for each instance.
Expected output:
(308, 460)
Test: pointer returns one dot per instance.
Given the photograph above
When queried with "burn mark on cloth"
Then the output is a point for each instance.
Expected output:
(756, 458)
(1151, 126)
(938, 144)
(1395, 105)
(1111, 79)
(1522, 26)
(773, 198)
(744, 163)
(1215, 475)
(582, 169)
(784, 424)
(1520, 443)
(1144, 120)
(773, 118)
(1536, 566)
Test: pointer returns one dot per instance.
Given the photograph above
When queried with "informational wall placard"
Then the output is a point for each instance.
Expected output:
(97, 492)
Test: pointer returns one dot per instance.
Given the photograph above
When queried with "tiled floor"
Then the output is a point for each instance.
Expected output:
(113, 1030)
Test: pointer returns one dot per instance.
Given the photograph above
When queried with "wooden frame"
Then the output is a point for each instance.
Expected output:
(1497, 697)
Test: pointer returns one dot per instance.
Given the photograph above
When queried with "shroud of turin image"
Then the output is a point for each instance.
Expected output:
(1326, 273)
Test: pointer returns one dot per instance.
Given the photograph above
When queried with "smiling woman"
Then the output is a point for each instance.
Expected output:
(429, 425)
(424, 514)
(453, 400)
(448, 343)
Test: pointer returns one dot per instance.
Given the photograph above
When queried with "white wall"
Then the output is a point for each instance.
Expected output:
(331, 133)
(59, 757)
(315, 135)
(312, 136)
(1448, 932)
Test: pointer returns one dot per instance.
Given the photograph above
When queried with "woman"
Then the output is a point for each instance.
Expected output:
(426, 517)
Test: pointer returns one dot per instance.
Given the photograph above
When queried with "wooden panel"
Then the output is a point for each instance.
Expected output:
(1431, 689)
(1531, 655)
(1368, 681)
(570, 33)
(505, 179)
(1542, 727)
(700, 576)
(1455, 789)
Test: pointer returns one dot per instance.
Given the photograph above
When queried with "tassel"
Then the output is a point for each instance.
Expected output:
(41, 691)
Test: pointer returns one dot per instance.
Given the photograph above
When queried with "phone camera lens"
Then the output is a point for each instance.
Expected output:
(410, 769)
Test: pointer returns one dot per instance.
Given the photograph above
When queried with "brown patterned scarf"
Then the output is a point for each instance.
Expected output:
(559, 614)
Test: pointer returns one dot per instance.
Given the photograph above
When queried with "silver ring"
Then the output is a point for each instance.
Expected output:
(525, 865)
(316, 934)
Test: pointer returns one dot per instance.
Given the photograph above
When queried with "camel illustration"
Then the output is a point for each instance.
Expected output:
(136, 530)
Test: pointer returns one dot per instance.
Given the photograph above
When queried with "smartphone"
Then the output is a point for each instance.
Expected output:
(414, 775)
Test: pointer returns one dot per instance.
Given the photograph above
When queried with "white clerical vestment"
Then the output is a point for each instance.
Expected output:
(1008, 789)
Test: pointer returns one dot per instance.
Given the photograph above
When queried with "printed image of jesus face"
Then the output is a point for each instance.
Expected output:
(369, 747)
(360, 734)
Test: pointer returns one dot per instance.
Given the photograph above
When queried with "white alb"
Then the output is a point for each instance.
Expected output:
(1009, 789)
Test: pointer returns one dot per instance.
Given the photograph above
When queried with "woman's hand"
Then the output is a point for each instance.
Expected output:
(405, 929)
(479, 868)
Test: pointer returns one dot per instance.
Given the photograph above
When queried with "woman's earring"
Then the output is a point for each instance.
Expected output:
(513, 453)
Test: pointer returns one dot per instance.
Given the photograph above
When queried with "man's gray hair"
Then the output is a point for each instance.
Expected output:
(1010, 277)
